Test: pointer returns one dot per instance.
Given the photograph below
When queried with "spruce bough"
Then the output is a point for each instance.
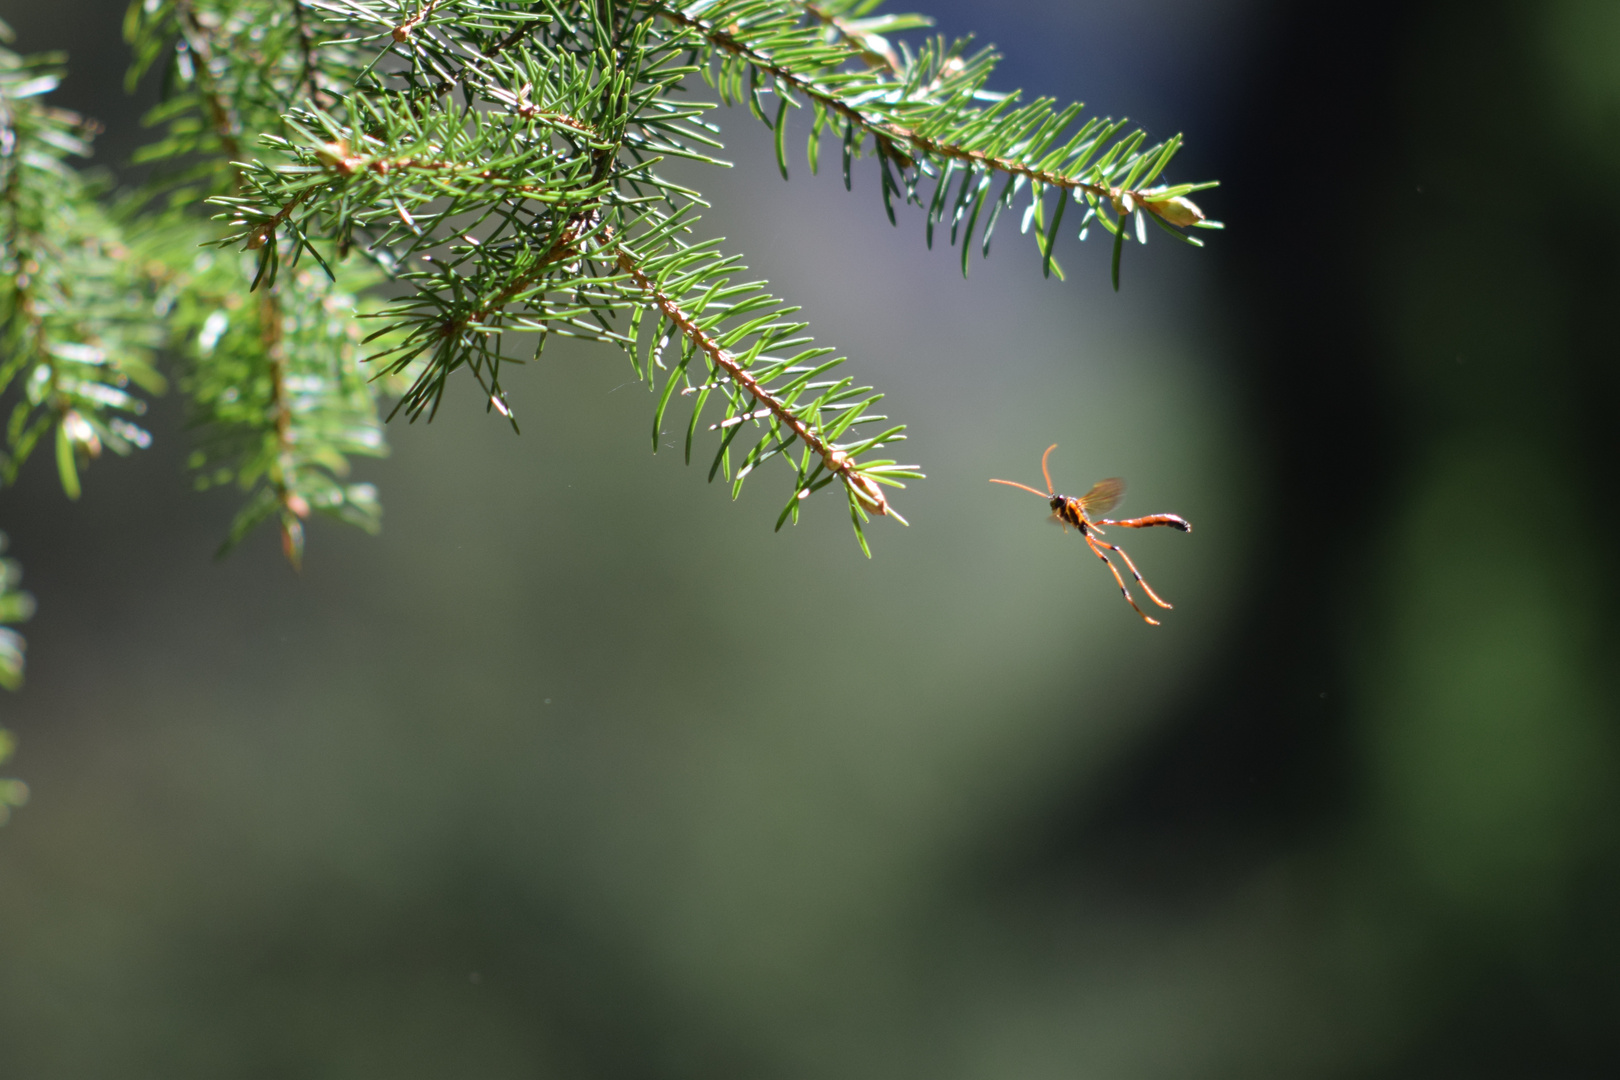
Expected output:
(355, 201)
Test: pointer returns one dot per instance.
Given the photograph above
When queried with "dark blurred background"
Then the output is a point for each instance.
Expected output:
(579, 771)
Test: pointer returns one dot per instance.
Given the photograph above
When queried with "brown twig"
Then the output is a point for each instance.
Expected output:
(266, 232)
(402, 32)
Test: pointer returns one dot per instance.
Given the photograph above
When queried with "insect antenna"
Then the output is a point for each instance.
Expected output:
(1045, 473)
(1026, 487)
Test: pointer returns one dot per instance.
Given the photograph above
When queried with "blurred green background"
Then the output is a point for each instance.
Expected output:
(579, 771)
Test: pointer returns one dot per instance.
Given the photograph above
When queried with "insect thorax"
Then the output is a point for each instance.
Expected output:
(1068, 509)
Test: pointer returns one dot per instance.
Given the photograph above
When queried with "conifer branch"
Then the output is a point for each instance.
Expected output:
(521, 276)
(76, 342)
(501, 165)
(293, 507)
(871, 120)
(199, 39)
(311, 409)
(835, 460)
(68, 328)
(921, 118)
(567, 161)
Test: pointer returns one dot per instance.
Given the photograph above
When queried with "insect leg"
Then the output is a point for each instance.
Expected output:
(1115, 571)
(1135, 573)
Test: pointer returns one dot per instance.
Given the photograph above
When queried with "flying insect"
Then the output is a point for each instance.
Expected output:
(1084, 514)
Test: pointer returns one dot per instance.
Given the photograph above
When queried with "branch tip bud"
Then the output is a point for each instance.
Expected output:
(870, 495)
(1178, 210)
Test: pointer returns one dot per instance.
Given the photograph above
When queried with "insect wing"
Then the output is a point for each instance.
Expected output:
(1103, 496)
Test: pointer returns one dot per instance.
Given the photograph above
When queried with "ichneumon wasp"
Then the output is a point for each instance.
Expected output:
(1082, 514)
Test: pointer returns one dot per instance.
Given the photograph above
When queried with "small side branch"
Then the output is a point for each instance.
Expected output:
(866, 490)
(895, 134)
(199, 39)
(293, 506)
